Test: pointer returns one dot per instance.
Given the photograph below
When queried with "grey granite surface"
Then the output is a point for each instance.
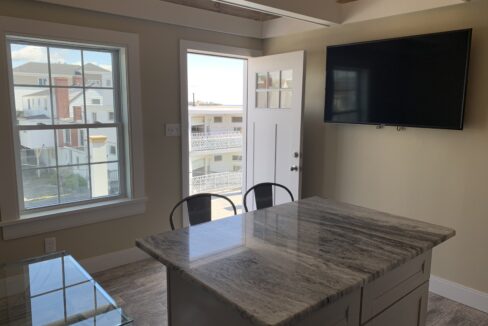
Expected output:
(276, 265)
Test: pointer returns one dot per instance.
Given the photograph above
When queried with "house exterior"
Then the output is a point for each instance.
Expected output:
(216, 139)
(65, 102)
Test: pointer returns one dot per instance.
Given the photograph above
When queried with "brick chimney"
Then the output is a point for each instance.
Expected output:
(61, 98)
(77, 113)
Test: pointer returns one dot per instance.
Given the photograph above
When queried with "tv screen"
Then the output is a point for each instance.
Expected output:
(417, 81)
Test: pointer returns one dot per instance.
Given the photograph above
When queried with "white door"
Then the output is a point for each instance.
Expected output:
(274, 121)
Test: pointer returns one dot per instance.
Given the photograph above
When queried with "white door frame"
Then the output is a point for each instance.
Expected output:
(211, 49)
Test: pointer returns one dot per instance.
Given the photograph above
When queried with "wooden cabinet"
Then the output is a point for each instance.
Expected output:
(411, 310)
(394, 285)
(344, 312)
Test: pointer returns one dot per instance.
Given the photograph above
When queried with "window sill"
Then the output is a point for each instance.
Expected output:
(37, 223)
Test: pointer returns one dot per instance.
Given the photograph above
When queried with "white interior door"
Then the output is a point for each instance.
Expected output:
(274, 121)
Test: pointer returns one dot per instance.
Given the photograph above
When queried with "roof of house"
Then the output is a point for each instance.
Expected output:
(57, 68)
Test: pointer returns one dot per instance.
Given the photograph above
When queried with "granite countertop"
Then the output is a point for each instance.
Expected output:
(276, 265)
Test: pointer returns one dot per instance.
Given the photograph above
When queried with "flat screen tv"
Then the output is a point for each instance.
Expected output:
(416, 81)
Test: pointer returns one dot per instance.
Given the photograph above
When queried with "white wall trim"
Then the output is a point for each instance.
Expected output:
(170, 13)
(114, 259)
(459, 293)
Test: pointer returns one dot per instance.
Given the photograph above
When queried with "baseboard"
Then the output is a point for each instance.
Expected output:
(114, 259)
(460, 293)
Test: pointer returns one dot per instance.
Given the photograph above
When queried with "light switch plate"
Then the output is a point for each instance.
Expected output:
(173, 130)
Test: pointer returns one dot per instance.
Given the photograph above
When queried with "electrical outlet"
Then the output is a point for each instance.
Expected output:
(172, 130)
(49, 245)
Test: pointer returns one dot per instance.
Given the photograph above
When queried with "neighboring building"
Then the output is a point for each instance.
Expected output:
(216, 148)
(33, 107)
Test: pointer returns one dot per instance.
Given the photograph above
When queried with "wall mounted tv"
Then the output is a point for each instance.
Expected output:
(416, 81)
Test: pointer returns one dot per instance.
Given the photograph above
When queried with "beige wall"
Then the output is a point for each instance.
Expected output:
(159, 51)
(439, 176)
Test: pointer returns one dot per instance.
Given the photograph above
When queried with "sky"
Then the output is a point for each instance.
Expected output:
(215, 79)
(22, 53)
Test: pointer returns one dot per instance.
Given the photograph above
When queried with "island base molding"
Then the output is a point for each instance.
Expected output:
(399, 297)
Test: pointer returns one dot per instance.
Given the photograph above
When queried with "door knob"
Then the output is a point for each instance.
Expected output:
(294, 168)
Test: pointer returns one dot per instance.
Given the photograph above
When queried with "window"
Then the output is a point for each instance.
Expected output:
(236, 157)
(238, 129)
(75, 160)
(217, 119)
(236, 119)
(67, 136)
(218, 158)
(236, 168)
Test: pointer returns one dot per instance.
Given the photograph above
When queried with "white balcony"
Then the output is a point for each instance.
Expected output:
(207, 141)
(216, 182)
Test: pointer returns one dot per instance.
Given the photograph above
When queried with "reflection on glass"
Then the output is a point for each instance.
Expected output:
(261, 100)
(103, 144)
(33, 105)
(45, 276)
(100, 106)
(261, 81)
(72, 146)
(54, 290)
(274, 79)
(40, 187)
(98, 69)
(287, 79)
(37, 148)
(29, 64)
(105, 180)
(228, 234)
(68, 104)
(286, 97)
(48, 308)
(274, 99)
(65, 67)
(73, 183)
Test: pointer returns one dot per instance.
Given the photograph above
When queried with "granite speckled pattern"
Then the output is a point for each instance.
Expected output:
(278, 264)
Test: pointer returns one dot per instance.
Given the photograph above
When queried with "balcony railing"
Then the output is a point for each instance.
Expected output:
(216, 182)
(206, 141)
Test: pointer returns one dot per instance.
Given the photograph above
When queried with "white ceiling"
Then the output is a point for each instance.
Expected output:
(297, 15)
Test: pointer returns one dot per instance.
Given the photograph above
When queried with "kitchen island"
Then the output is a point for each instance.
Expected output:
(310, 262)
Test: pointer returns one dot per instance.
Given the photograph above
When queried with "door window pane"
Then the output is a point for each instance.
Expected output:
(74, 183)
(274, 79)
(286, 97)
(261, 100)
(29, 64)
(261, 80)
(274, 99)
(287, 79)
(37, 148)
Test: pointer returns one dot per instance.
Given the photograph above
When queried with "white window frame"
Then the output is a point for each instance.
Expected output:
(14, 224)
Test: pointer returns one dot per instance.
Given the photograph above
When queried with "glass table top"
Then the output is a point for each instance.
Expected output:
(54, 290)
